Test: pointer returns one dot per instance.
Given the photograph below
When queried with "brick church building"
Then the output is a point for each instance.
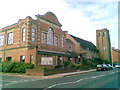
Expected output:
(40, 41)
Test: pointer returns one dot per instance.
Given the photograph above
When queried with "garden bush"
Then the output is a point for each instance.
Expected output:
(7, 66)
(14, 67)
(59, 66)
(0, 66)
(21, 67)
(66, 63)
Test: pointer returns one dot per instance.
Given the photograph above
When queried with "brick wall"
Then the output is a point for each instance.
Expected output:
(115, 55)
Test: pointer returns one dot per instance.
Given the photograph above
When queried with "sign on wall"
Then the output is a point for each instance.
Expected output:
(46, 61)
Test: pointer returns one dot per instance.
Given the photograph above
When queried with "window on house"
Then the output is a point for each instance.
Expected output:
(98, 34)
(50, 36)
(103, 34)
(44, 38)
(56, 41)
(31, 59)
(23, 34)
(44, 55)
(8, 58)
(33, 34)
(22, 58)
(62, 41)
(1, 39)
(69, 47)
(10, 38)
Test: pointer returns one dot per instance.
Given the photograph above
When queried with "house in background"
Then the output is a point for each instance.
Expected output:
(115, 55)
(42, 42)
(83, 49)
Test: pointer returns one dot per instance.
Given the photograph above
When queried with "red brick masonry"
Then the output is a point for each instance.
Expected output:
(43, 72)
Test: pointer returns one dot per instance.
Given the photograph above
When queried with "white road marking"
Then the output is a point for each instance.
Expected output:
(112, 72)
(87, 78)
(51, 86)
(31, 80)
(77, 81)
(63, 84)
(17, 82)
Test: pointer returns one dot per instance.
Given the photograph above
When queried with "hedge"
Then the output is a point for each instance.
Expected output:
(14, 67)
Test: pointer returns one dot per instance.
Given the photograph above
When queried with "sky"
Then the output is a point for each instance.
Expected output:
(80, 18)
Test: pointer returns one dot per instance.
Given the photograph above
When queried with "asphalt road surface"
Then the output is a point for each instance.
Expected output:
(96, 79)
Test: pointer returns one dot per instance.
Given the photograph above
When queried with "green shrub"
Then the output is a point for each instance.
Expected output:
(106, 61)
(7, 66)
(59, 66)
(21, 67)
(78, 67)
(0, 67)
(67, 63)
(45, 68)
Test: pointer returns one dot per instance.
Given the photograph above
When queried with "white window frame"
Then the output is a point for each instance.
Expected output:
(2, 38)
(44, 38)
(55, 41)
(50, 36)
(10, 38)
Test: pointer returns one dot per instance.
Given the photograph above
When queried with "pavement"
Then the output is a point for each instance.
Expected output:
(46, 77)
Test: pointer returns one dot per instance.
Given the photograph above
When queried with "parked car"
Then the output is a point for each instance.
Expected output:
(102, 67)
(110, 67)
(117, 65)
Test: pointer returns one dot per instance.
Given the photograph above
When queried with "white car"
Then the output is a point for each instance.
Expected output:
(117, 65)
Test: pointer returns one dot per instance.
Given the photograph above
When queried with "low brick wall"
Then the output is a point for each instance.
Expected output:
(46, 72)
(35, 71)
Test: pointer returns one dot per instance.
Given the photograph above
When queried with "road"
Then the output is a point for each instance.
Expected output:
(96, 79)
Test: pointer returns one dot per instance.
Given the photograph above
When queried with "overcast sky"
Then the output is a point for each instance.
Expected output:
(80, 18)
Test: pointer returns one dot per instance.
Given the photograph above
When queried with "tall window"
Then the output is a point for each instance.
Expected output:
(56, 41)
(44, 38)
(98, 34)
(62, 41)
(31, 59)
(33, 34)
(23, 34)
(50, 36)
(103, 34)
(22, 58)
(10, 38)
(1, 39)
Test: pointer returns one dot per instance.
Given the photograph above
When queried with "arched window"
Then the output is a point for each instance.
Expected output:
(98, 34)
(50, 36)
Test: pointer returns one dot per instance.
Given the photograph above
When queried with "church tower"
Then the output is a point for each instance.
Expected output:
(103, 44)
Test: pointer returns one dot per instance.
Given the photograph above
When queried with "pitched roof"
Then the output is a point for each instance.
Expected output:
(50, 17)
(85, 44)
(116, 50)
(69, 41)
